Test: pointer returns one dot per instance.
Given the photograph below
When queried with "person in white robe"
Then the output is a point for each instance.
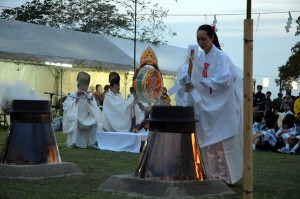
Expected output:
(216, 94)
(117, 112)
(81, 117)
(141, 112)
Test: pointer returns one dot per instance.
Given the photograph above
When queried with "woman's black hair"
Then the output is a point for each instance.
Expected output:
(211, 33)
(289, 120)
(270, 123)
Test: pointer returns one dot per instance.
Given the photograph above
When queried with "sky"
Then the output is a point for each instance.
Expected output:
(272, 44)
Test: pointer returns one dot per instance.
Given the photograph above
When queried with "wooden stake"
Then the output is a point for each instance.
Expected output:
(187, 86)
(248, 110)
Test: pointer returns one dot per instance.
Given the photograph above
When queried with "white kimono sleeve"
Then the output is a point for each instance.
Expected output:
(70, 115)
(117, 112)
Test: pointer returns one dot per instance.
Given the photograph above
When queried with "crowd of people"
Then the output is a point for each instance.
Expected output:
(276, 123)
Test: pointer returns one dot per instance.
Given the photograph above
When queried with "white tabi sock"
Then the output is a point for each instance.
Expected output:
(296, 147)
(287, 146)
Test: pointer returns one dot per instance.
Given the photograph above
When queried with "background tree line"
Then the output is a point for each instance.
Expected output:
(291, 70)
(110, 17)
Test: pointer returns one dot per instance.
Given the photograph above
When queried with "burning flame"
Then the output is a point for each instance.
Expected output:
(53, 157)
(197, 161)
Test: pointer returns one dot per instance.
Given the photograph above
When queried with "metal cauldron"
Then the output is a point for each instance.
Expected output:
(31, 138)
(171, 151)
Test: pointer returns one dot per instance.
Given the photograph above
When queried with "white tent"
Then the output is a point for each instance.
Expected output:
(25, 48)
(39, 44)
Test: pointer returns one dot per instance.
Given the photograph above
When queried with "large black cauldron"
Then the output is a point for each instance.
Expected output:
(171, 151)
(31, 138)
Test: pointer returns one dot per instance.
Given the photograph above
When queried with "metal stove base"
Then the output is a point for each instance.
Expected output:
(39, 171)
(133, 186)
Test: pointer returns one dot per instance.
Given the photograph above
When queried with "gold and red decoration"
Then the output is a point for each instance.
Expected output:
(148, 81)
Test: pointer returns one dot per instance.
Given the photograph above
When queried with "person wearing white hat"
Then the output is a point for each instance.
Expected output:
(81, 116)
(117, 112)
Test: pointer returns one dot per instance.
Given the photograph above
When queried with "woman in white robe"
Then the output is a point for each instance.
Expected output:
(81, 117)
(218, 109)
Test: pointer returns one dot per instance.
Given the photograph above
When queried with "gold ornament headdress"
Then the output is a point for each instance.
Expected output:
(148, 57)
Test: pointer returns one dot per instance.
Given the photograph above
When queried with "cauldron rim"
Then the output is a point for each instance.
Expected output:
(31, 111)
(172, 114)
(170, 120)
(31, 106)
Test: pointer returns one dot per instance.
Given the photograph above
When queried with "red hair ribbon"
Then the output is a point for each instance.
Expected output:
(215, 28)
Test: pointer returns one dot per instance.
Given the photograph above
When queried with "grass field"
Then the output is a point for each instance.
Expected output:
(275, 175)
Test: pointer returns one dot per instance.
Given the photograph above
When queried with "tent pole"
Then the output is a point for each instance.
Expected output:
(134, 47)
(248, 106)
(60, 104)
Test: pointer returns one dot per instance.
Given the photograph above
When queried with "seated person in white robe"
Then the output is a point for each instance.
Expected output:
(117, 112)
(81, 116)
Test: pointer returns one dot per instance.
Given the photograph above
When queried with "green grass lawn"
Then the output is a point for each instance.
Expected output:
(275, 175)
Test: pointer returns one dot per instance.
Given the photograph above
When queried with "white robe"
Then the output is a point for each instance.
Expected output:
(117, 112)
(219, 112)
(139, 114)
(81, 121)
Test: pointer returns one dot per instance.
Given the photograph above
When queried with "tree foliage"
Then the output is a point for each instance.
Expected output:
(115, 17)
(298, 27)
(94, 16)
(291, 70)
(149, 20)
(32, 12)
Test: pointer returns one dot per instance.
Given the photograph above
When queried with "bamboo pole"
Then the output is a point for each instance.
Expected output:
(134, 39)
(187, 86)
(248, 106)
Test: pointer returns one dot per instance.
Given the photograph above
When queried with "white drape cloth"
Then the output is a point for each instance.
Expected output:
(117, 112)
(81, 121)
(121, 141)
(219, 111)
